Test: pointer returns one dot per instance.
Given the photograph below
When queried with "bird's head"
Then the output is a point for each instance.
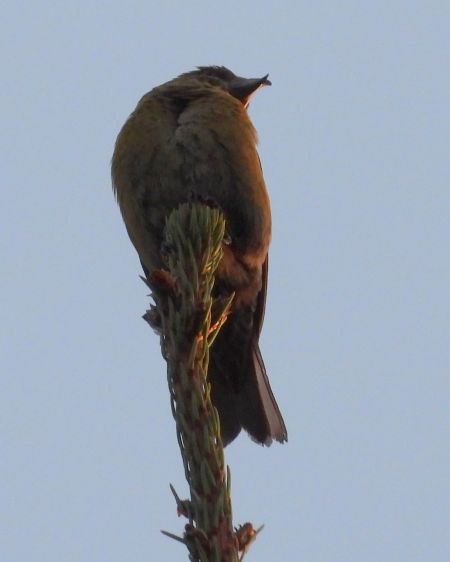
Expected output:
(240, 88)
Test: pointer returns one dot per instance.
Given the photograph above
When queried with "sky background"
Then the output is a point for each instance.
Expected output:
(354, 144)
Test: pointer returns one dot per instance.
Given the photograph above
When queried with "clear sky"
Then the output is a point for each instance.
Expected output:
(354, 144)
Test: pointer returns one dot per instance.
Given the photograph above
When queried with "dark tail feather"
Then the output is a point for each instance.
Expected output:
(257, 408)
(240, 388)
(224, 399)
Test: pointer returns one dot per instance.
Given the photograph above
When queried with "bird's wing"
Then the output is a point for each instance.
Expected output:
(258, 317)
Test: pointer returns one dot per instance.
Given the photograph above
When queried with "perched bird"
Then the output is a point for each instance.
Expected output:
(192, 136)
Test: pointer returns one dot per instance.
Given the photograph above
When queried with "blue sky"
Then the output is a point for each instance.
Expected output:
(354, 145)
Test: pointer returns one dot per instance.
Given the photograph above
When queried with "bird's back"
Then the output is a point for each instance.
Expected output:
(177, 147)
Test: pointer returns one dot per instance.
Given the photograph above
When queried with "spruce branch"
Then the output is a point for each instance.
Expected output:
(188, 318)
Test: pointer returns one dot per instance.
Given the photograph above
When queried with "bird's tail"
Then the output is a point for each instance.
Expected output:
(240, 388)
(257, 408)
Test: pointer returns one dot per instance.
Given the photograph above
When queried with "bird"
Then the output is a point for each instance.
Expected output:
(192, 137)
